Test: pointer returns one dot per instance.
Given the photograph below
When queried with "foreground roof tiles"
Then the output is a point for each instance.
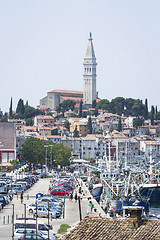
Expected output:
(97, 228)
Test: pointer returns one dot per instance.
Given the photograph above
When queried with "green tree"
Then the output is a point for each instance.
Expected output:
(94, 104)
(20, 107)
(89, 125)
(76, 133)
(129, 102)
(61, 155)
(117, 105)
(54, 131)
(66, 105)
(119, 125)
(80, 109)
(67, 125)
(10, 108)
(29, 122)
(30, 112)
(138, 122)
(5, 117)
(103, 104)
(138, 108)
(33, 151)
(146, 109)
(152, 115)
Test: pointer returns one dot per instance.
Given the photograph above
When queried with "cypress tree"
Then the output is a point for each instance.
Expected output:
(80, 109)
(90, 125)
(146, 108)
(20, 107)
(152, 115)
(119, 125)
(10, 109)
(76, 133)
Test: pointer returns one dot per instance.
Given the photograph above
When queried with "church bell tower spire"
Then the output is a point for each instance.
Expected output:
(89, 76)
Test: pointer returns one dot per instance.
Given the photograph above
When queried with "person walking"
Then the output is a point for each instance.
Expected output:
(91, 206)
(21, 197)
(75, 197)
(71, 196)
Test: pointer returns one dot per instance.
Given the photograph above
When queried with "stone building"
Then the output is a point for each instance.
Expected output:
(55, 97)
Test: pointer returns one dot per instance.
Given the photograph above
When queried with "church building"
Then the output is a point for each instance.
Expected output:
(89, 94)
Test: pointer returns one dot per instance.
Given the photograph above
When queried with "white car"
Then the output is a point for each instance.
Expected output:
(43, 212)
(20, 232)
(31, 226)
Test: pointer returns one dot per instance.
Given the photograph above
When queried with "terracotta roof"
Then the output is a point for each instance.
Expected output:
(103, 228)
(72, 98)
(53, 136)
(66, 91)
(44, 117)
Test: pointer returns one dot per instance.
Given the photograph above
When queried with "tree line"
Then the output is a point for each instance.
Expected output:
(37, 151)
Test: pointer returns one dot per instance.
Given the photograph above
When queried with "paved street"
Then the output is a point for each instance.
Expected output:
(71, 215)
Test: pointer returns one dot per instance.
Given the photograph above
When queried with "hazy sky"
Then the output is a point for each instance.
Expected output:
(43, 43)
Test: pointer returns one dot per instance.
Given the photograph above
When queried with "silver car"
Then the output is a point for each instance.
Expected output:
(43, 212)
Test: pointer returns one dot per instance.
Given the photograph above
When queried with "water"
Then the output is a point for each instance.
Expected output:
(154, 209)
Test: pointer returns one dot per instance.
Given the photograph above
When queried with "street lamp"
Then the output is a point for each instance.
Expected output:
(1, 145)
(46, 146)
(51, 156)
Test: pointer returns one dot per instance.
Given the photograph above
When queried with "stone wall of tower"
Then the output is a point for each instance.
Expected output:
(89, 75)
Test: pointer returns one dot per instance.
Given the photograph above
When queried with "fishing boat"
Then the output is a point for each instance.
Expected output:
(97, 191)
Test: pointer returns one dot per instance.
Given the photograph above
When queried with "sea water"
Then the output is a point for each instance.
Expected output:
(154, 209)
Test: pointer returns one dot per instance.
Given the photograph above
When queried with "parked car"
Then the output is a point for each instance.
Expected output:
(60, 192)
(2, 201)
(43, 212)
(31, 225)
(31, 236)
(18, 233)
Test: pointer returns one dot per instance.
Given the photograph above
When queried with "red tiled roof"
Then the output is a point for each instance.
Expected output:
(72, 98)
(66, 91)
(103, 228)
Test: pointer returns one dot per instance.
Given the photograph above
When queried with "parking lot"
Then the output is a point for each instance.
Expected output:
(70, 216)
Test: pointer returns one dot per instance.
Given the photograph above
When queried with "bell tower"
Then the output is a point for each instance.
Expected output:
(89, 76)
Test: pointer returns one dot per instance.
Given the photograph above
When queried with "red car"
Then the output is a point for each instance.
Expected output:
(60, 192)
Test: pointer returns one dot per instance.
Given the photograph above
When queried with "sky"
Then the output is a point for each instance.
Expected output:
(43, 45)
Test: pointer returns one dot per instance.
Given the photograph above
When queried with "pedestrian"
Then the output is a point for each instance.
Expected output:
(91, 206)
(21, 197)
(75, 197)
(71, 196)
(81, 196)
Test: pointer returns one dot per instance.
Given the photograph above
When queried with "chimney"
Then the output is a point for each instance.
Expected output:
(136, 215)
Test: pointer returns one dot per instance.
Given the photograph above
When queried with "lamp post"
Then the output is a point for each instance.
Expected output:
(1, 145)
(51, 156)
(46, 146)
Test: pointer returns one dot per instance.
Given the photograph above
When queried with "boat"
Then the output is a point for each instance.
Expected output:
(97, 191)
(150, 192)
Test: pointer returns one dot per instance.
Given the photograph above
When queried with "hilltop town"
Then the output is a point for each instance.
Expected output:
(92, 128)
